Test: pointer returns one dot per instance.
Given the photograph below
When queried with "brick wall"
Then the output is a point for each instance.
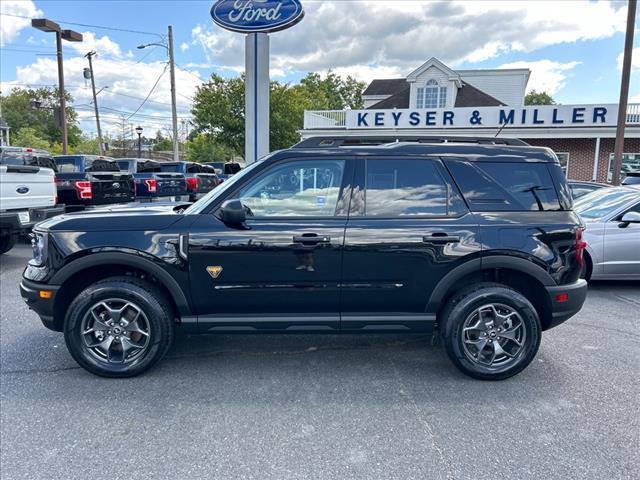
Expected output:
(581, 152)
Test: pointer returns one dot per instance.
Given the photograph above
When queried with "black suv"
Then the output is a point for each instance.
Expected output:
(474, 239)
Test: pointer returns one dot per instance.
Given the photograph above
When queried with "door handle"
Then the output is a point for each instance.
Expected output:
(441, 238)
(311, 238)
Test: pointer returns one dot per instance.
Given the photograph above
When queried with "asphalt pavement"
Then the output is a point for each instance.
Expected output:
(324, 406)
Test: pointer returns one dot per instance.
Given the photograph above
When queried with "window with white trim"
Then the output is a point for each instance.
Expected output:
(432, 95)
(420, 98)
(563, 158)
(630, 162)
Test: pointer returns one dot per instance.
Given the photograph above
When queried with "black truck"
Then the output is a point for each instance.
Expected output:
(200, 178)
(90, 180)
(151, 181)
(471, 239)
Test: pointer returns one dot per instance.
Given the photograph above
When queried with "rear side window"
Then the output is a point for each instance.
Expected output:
(503, 186)
(100, 165)
(11, 158)
(68, 164)
(396, 188)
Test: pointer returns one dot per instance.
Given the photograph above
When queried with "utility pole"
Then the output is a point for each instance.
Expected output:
(624, 92)
(174, 114)
(95, 100)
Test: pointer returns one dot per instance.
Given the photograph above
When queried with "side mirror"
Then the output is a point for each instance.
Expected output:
(233, 212)
(629, 217)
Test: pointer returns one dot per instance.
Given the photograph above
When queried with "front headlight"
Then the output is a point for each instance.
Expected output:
(39, 242)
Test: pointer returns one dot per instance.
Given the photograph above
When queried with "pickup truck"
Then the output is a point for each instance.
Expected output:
(224, 170)
(27, 192)
(151, 181)
(88, 180)
(200, 178)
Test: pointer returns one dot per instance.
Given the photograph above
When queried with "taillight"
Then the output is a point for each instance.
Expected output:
(152, 185)
(83, 187)
(192, 183)
(580, 246)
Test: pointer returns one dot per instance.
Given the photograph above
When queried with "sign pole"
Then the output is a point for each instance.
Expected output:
(256, 96)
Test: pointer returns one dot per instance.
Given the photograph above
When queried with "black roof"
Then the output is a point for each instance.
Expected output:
(470, 148)
(385, 86)
(467, 96)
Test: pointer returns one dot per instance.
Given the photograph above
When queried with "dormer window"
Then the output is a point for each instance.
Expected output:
(432, 95)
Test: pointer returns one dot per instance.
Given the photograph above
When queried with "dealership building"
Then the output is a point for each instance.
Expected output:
(436, 100)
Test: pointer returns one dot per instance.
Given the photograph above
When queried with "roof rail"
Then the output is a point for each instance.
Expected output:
(347, 141)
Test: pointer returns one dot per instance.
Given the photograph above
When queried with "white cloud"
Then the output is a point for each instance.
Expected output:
(635, 59)
(103, 45)
(399, 36)
(184, 46)
(10, 27)
(546, 75)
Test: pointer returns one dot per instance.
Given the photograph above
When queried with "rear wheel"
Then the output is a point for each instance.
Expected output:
(587, 267)
(7, 241)
(491, 332)
(119, 327)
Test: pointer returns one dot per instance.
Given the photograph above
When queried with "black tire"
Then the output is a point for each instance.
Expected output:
(587, 266)
(461, 338)
(157, 315)
(7, 242)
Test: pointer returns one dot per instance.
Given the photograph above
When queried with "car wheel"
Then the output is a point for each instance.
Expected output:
(7, 242)
(490, 331)
(118, 327)
(587, 267)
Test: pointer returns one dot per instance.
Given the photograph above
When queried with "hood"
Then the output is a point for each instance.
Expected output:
(126, 217)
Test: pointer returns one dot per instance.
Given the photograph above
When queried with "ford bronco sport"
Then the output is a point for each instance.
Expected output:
(472, 239)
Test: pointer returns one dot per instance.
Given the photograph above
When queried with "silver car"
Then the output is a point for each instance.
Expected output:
(612, 220)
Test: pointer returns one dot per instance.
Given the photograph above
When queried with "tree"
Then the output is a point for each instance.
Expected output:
(218, 108)
(205, 148)
(28, 137)
(538, 98)
(35, 108)
(164, 145)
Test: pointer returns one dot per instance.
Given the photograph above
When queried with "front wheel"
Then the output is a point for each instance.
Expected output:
(118, 327)
(491, 332)
(7, 242)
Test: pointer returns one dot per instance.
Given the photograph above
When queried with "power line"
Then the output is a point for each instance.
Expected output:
(150, 91)
(103, 27)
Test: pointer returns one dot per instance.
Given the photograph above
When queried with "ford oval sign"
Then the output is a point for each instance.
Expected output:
(22, 190)
(250, 16)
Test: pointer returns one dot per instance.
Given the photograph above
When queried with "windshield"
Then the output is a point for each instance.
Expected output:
(604, 201)
(220, 189)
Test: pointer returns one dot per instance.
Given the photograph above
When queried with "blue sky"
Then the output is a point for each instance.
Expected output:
(572, 47)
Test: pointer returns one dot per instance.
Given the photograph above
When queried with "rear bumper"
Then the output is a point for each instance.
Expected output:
(30, 292)
(562, 309)
(10, 221)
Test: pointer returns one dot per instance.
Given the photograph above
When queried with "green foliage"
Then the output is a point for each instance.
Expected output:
(538, 98)
(29, 137)
(218, 108)
(87, 145)
(19, 112)
(205, 148)
(163, 145)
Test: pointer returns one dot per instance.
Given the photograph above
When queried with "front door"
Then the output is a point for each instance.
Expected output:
(621, 252)
(282, 271)
(408, 227)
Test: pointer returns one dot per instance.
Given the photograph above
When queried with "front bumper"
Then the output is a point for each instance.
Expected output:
(562, 309)
(30, 292)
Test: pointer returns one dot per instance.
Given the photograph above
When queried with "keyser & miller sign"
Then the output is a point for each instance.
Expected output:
(490, 117)
(248, 16)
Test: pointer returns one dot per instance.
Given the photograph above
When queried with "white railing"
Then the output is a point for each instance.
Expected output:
(325, 118)
(318, 119)
(633, 114)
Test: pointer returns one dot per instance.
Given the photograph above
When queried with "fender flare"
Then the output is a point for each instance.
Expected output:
(485, 263)
(127, 259)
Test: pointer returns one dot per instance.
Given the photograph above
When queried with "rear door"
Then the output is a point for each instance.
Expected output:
(408, 226)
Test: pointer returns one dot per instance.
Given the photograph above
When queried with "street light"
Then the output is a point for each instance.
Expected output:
(46, 25)
(139, 132)
(172, 74)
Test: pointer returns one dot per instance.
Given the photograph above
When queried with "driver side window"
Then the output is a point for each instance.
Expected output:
(309, 188)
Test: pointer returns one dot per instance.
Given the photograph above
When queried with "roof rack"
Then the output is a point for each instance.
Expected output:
(331, 142)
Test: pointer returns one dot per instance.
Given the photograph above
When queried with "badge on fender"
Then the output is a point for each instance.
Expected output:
(214, 271)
